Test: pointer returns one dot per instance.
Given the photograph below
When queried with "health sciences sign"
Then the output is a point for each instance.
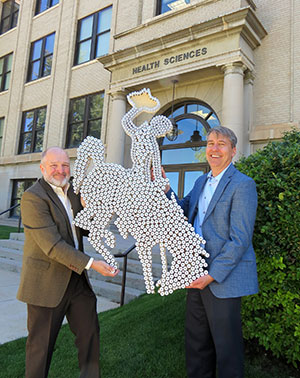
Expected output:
(192, 54)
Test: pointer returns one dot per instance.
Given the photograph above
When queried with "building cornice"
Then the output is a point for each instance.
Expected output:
(21, 159)
(243, 21)
(160, 18)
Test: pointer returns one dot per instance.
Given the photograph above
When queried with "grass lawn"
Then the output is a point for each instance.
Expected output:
(143, 339)
(6, 230)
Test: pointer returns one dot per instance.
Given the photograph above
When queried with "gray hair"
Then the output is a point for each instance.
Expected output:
(225, 131)
(44, 153)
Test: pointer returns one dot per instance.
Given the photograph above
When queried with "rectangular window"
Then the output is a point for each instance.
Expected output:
(9, 15)
(41, 55)
(85, 118)
(93, 36)
(42, 5)
(164, 6)
(19, 187)
(5, 71)
(1, 132)
(32, 130)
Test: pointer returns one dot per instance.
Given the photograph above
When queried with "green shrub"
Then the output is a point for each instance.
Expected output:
(273, 316)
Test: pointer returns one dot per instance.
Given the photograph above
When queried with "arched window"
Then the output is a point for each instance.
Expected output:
(183, 149)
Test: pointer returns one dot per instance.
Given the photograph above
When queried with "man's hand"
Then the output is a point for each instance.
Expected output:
(201, 282)
(104, 269)
(82, 202)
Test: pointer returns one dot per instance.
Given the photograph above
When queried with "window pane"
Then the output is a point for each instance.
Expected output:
(41, 118)
(43, 6)
(1, 127)
(189, 180)
(28, 124)
(78, 107)
(25, 142)
(186, 128)
(39, 141)
(76, 135)
(213, 121)
(1, 65)
(84, 52)
(103, 44)
(5, 25)
(178, 112)
(18, 189)
(49, 45)
(167, 5)
(36, 53)
(86, 28)
(104, 20)
(35, 67)
(33, 125)
(174, 179)
(47, 66)
(183, 156)
(6, 10)
(15, 19)
(198, 109)
(1, 132)
(96, 106)
(9, 62)
(6, 81)
(95, 128)
(16, 6)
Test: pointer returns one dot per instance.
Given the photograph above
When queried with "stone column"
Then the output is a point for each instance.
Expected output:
(116, 134)
(248, 110)
(233, 102)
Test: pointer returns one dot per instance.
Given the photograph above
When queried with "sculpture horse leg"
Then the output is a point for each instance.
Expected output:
(164, 264)
(98, 232)
(145, 255)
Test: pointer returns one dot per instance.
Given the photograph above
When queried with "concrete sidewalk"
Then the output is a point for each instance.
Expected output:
(13, 312)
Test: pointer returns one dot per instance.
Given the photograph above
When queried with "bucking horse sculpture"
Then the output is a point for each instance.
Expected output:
(139, 204)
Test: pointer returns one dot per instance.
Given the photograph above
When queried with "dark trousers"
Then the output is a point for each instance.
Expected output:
(213, 336)
(44, 323)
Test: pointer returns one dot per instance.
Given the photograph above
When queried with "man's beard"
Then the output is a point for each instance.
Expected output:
(59, 183)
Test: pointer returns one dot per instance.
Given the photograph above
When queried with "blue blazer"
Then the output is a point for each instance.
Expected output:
(228, 228)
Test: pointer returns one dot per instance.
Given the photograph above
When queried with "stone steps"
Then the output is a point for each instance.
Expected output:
(10, 265)
(11, 253)
(113, 292)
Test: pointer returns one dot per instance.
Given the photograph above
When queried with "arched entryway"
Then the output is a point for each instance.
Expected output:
(183, 150)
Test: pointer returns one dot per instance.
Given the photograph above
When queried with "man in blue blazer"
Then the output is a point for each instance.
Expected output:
(222, 208)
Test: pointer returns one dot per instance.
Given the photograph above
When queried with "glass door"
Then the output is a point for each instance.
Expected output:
(182, 178)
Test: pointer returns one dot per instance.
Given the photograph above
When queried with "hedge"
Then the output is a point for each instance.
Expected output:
(272, 317)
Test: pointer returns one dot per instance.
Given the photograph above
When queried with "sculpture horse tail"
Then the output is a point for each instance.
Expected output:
(90, 149)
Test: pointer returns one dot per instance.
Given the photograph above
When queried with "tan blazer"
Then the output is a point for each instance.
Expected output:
(49, 254)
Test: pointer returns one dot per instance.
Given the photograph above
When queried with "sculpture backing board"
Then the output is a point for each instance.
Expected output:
(138, 202)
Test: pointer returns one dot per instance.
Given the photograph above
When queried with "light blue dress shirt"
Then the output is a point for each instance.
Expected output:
(205, 198)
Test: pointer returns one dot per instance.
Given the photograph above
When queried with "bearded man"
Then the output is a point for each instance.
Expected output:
(54, 281)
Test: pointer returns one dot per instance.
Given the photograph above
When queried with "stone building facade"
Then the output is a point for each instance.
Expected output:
(66, 67)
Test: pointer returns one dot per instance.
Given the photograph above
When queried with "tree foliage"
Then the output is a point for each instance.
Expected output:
(273, 316)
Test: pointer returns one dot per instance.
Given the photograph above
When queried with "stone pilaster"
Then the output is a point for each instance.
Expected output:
(233, 102)
(116, 134)
(248, 109)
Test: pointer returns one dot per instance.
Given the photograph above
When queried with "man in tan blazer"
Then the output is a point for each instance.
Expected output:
(54, 282)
